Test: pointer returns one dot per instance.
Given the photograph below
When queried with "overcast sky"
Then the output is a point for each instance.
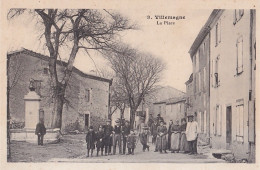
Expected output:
(171, 43)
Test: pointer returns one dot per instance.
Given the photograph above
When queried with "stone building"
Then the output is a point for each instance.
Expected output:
(87, 95)
(172, 109)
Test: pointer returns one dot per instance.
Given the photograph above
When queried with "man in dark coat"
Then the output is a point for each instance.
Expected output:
(144, 138)
(125, 131)
(40, 131)
(117, 138)
(90, 140)
(154, 132)
(100, 135)
(108, 129)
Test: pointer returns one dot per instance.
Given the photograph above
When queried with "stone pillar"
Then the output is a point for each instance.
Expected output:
(32, 106)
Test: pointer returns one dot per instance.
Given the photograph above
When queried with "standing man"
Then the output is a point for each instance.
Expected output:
(154, 132)
(170, 134)
(108, 129)
(40, 131)
(117, 137)
(192, 134)
(125, 132)
(144, 138)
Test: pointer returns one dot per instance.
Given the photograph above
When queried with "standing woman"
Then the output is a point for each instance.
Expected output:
(176, 137)
(184, 143)
(161, 137)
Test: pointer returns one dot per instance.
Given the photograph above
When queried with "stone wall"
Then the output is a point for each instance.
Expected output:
(32, 65)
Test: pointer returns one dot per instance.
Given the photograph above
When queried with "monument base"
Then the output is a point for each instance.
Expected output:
(28, 135)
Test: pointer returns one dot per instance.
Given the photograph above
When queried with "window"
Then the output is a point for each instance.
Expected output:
(199, 82)
(218, 120)
(239, 55)
(218, 33)
(45, 70)
(87, 95)
(238, 13)
(215, 72)
(204, 99)
(240, 122)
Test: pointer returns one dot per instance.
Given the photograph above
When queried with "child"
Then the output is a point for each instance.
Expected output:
(100, 137)
(131, 142)
(90, 140)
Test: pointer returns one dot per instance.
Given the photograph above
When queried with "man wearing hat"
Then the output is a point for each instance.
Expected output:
(108, 129)
(125, 132)
(117, 137)
(159, 119)
(144, 137)
(192, 134)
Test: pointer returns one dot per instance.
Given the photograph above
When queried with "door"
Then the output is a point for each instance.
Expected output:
(228, 125)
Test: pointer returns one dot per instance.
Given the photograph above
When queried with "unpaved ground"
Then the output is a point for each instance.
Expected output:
(72, 148)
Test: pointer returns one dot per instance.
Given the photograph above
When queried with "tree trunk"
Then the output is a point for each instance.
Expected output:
(132, 117)
(58, 106)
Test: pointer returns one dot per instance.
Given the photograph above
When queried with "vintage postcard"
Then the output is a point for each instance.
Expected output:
(147, 84)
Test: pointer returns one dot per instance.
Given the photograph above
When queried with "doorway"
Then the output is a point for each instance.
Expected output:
(228, 126)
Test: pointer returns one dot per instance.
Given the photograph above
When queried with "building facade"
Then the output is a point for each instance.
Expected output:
(200, 56)
(87, 95)
(172, 109)
(229, 63)
(231, 83)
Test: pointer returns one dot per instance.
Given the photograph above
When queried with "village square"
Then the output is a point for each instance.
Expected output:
(123, 110)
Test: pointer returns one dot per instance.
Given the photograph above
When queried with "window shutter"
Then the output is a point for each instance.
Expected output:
(220, 120)
(240, 55)
(235, 17)
(205, 121)
(241, 120)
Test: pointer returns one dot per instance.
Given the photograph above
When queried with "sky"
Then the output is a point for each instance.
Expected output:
(171, 43)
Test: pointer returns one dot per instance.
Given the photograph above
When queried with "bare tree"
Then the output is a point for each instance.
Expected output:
(138, 74)
(12, 80)
(74, 30)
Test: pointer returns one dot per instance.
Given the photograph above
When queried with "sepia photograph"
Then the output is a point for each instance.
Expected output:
(121, 85)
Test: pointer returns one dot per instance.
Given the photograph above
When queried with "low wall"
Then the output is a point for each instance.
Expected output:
(28, 135)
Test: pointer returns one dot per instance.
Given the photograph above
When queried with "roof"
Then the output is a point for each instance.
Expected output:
(190, 79)
(204, 31)
(61, 63)
(172, 100)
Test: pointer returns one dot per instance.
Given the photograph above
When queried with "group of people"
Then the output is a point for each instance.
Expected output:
(108, 137)
(177, 138)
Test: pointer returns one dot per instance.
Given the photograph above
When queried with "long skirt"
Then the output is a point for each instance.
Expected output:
(184, 143)
(161, 142)
(175, 141)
